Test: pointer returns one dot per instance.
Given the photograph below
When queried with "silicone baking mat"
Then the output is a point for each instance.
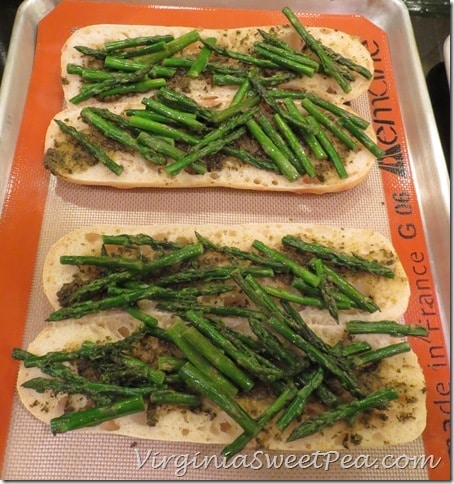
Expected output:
(38, 210)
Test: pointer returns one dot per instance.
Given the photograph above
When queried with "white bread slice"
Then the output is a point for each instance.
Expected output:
(405, 417)
(138, 172)
(233, 174)
(391, 295)
(404, 422)
(240, 40)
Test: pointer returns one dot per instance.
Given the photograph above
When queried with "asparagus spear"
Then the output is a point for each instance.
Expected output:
(223, 115)
(162, 129)
(235, 311)
(179, 100)
(226, 128)
(186, 63)
(170, 364)
(99, 54)
(342, 301)
(150, 323)
(142, 86)
(97, 415)
(141, 368)
(243, 90)
(297, 323)
(116, 65)
(235, 349)
(385, 327)
(111, 82)
(68, 382)
(363, 302)
(352, 261)
(111, 131)
(284, 50)
(160, 146)
(246, 58)
(315, 46)
(287, 169)
(174, 168)
(267, 415)
(173, 47)
(140, 239)
(218, 359)
(241, 254)
(295, 118)
(117, 119)
(324, 120)
(274, 135)
(140, 51)
(295, 145)
(380, 354)
(263, 164)
(283, 59)
(210, 273)
(296, 407)
(353, 66)
(325, 360)
(99, 75)
(329, 148)
(362, 137)
(274, 346)
(180, 117)
(93, 149)
(118, 301)
(323, 103)
(294, 267)
(137, 266)
(238, 80)
(202, 59)
(198, 360)
(129, 42)
(87, 351)
(351, 349)
(196, 380)
(172, 397)
(304, 300)
(346, 411)
(326, 290)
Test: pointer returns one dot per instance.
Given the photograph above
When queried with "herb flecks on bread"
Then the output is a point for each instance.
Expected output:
(208, 334)
(248, 108)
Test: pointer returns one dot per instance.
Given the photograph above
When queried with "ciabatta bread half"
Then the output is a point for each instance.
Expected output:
(238, 40)
(402, 421)
(64, 160)
(391, 295)
(223, 169)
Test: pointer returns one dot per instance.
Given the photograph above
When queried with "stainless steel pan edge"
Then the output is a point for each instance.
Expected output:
(426, 154)
(15, 81)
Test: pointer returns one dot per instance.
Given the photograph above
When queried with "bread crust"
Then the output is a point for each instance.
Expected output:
(140, 173)
(240, 40)
(391, 295)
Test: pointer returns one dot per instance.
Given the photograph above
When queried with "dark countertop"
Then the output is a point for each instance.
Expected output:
(431, 24)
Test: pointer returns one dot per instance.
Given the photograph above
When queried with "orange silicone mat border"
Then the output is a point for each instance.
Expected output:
(407, 234)
(21, 220)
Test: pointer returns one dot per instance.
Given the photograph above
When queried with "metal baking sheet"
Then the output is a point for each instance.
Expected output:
(425, 151)
(430, 177)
